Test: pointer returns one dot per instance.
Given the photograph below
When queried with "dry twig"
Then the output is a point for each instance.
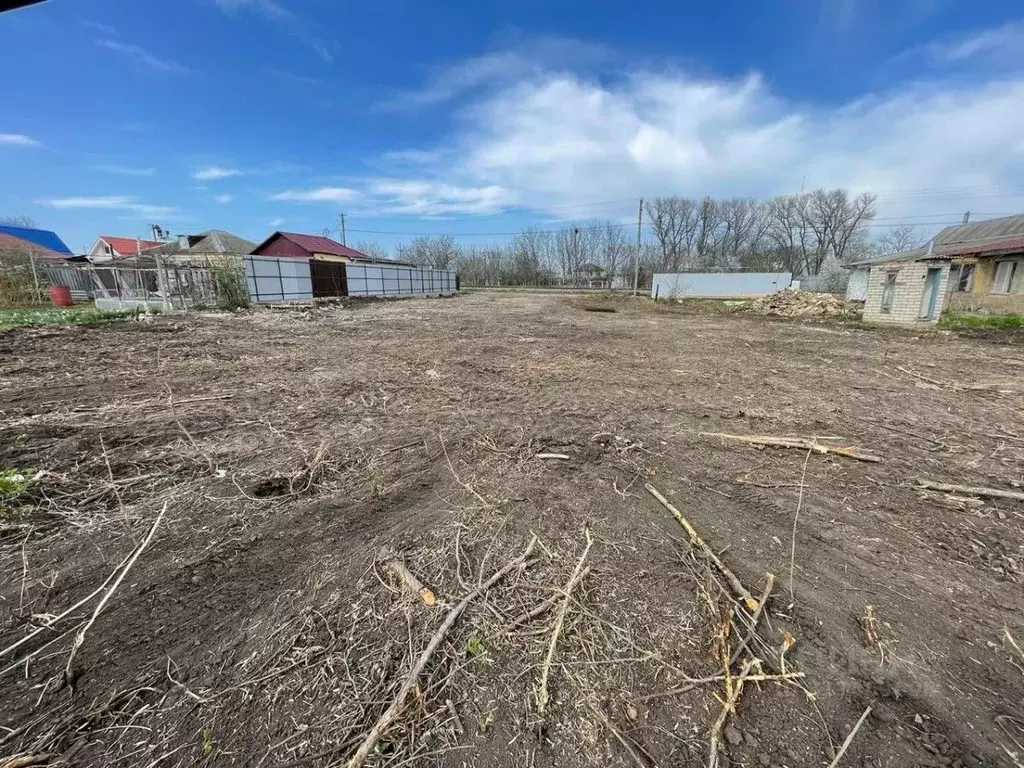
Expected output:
(849, 738)
(577, 575)
(796, 517)
(728, 707)
(994, 493)
(698, 542)
(391, 713)
(797, 442)
(414, 584)
(80, 637)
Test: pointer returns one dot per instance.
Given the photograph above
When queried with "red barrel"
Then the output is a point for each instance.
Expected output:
(60, 295)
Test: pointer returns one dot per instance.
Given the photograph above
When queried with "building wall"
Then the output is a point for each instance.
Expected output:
(907, 296)
(980, 296)
(857, 286)
(280, 246)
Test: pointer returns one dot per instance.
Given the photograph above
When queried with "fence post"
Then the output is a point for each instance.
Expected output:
(35, 276)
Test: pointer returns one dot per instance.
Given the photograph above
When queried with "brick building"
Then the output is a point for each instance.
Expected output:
(967, 268)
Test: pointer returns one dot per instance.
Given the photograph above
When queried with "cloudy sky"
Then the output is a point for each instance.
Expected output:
(477, 118)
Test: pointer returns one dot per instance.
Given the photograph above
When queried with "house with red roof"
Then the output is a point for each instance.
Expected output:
(108, 247)
(291, 244)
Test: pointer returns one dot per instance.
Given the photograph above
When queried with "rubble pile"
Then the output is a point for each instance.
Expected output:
(800, 304)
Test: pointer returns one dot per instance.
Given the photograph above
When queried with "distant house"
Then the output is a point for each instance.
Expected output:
(41, 242)
(108, 247)
(314, 247)
(593, 276)
(966, 268)
(201, 247)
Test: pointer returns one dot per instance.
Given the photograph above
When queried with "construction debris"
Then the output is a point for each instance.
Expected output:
(800, 304)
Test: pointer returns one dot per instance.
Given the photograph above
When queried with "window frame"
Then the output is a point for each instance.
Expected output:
(1012, 267)
(971, 271)
(888, 291)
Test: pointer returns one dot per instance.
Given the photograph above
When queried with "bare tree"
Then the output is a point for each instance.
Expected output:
(898, 240)
(440, 252)
(674, 221)
(836, 220)
(376, 250)
(615, 250)
(574, 247)
(529, 255)
(18, 221)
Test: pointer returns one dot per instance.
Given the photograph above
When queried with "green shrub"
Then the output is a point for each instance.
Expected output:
(229, 279)
(981, 321)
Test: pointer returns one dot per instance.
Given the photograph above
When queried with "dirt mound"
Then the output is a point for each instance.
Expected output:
(801, 304)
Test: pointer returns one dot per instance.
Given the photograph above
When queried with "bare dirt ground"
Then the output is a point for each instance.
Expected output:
(260, 626)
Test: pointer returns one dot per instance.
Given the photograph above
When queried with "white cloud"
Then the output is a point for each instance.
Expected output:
(17, 140)
(1005, 38)
(431, 198)
(88, 202)
(557, 139)
(527, 59)
(143, 57)
(125, 170)
(275, 222)
(315, 44)
(106, 29)
(215, 172)
(294, 77)
(321, 195)
(113, 203)
(224, 198)
(266, 7)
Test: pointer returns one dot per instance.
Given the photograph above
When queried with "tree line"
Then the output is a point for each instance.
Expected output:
(807, 234)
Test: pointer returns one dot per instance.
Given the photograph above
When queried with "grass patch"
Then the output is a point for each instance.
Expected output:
(953, 321)
(30, 318)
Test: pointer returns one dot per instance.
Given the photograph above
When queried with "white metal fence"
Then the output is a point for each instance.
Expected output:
(718, 285)
(386, 280)
(277, 279)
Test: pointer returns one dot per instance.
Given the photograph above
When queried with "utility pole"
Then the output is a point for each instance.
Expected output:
(639, 236)
(342, 216)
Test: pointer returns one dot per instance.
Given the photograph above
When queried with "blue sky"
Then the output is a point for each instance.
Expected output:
(475, 117)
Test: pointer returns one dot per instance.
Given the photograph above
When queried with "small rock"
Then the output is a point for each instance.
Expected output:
(751, 741)
(763, 759)
(918, 719)
(733, 735)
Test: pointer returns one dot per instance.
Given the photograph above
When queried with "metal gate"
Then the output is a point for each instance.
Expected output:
(328, 278)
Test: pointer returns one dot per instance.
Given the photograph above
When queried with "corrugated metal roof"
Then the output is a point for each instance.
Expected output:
(211, 241)
(317, 244)
(1006, 228)
(44, 238)
(984, 237)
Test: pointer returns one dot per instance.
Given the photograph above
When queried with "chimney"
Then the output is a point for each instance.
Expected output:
(183, 241)
(931, 246)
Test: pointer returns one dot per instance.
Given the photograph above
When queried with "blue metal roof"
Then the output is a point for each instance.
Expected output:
(44, 238)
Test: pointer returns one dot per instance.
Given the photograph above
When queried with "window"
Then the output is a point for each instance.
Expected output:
(961, 278)
(1009, 277)
(888, 289)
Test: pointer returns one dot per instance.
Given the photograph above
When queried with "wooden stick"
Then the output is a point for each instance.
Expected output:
(728, 707)
(391, 713)
(796, 442)
(577, 575)
(80, 637)
(716, 678)
(634, 752)
(414, 584)
(698, 542)
(754, 619)
(26, 760)
(967, 490)
(540, 608)
(849, 738)
(561, 456)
